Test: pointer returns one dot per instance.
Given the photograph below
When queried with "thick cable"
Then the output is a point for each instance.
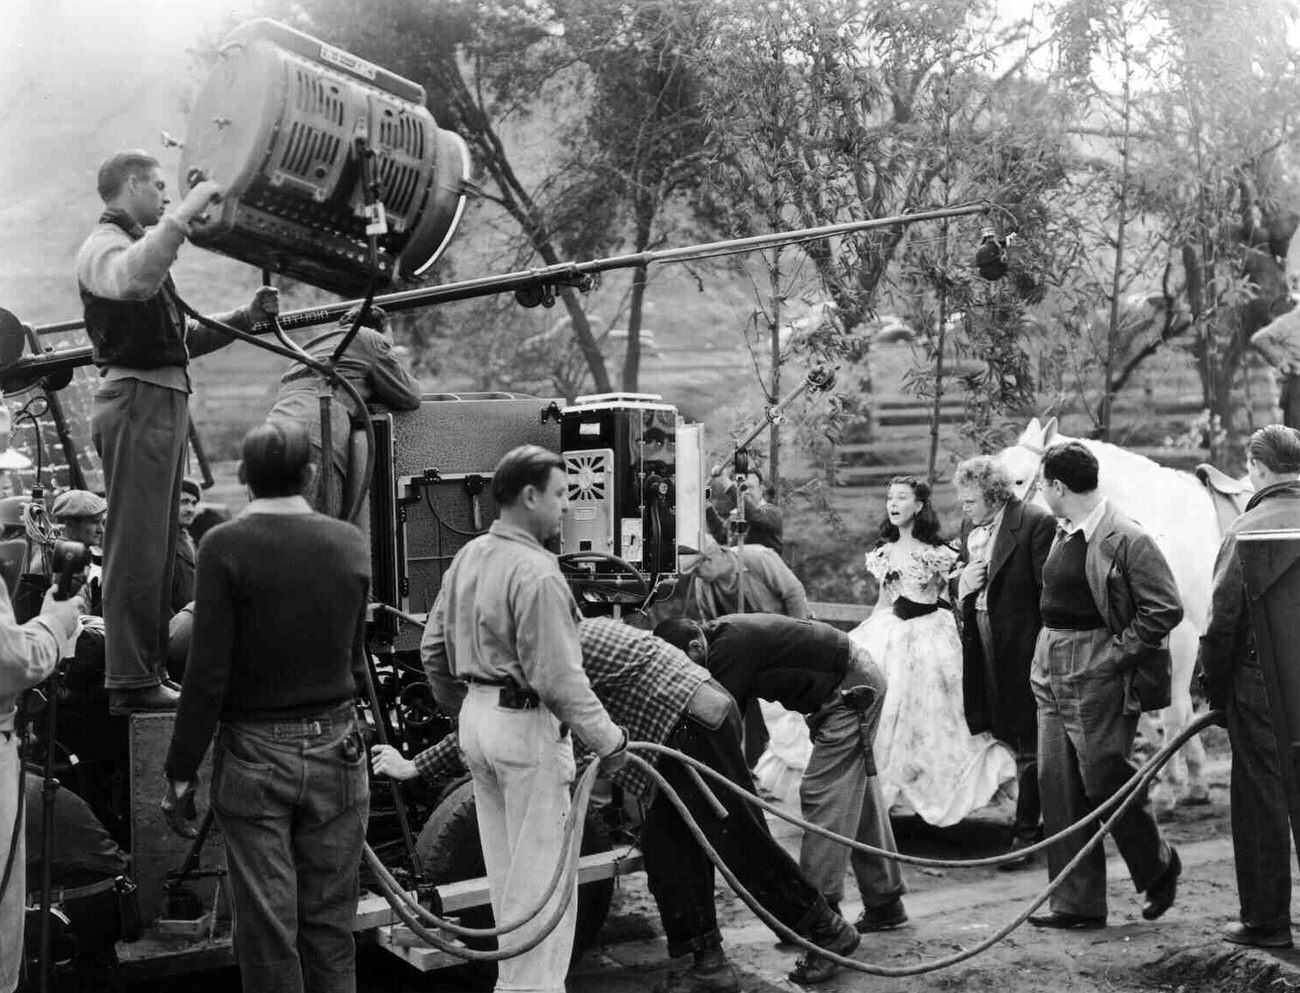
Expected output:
(1139, 781)
(407, 909)
(568, 847)
(1156, 762)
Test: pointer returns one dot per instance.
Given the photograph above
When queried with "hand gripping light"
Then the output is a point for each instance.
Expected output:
(284, 123)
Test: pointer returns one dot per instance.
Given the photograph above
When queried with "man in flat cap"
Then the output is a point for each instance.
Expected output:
(183, 571)
(82, 515)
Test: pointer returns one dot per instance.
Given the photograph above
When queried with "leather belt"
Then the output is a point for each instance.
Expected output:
(512, 695)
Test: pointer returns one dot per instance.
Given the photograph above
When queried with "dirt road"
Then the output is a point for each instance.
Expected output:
(955, 909)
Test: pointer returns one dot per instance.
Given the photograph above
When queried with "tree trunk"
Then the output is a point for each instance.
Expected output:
(1112, 329)
(774, 331)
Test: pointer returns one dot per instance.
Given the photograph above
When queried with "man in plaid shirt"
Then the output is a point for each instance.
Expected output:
(659, 695)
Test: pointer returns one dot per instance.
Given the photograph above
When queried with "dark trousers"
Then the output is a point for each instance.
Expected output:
(1261, 827)
(140, 431)
(1029, 807)
(1029, 804)
(680, 873)
(292, 799)
(1085, 754)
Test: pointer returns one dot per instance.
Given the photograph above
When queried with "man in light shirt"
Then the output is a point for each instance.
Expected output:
(501, 649)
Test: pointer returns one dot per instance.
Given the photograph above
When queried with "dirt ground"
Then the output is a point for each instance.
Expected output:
(953, 909)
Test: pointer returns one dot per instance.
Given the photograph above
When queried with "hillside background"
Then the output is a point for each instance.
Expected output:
(84, 79)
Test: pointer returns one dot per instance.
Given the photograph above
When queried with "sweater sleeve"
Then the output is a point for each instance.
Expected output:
(113, 266)
(207, 673)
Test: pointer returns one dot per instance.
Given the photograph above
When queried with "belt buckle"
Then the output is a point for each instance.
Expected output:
(313, 727)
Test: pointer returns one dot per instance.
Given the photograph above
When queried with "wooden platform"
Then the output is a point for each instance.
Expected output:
(399, 940)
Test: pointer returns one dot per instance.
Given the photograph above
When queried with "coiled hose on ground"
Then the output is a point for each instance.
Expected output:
(415, 916)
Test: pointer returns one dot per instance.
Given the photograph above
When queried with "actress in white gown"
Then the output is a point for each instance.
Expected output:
(925, 756)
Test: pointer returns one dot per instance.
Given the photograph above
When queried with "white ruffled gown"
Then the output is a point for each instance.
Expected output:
(925, 756)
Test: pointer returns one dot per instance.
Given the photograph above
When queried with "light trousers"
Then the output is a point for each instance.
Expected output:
(840, 792)
(522, 767)
(11, 905)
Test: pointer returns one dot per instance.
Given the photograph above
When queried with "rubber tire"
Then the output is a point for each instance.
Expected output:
(449, 851)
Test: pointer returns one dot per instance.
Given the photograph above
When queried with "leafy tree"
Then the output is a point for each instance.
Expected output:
(1205, 124)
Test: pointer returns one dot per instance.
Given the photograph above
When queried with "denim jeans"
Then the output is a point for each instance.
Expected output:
(522, 764)
(292, 798)
(1261, 823)
(840, 792)
(680, 875)
(1085, 754)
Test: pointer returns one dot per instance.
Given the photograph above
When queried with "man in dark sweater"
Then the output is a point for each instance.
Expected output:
(1108, 604)
(279, 627)
(815, 670)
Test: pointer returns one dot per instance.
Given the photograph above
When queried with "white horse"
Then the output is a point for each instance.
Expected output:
(1178, 511)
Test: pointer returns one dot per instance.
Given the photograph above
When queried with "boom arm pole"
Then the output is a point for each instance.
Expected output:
(578, 274)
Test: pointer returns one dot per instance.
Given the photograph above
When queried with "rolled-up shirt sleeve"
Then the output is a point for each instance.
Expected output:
(551, 656)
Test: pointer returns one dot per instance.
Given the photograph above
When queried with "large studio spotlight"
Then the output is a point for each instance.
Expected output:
(305, 137)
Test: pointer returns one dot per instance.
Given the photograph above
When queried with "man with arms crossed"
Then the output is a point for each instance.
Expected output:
(505, 623)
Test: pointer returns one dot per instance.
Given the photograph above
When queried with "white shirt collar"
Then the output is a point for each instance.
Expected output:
(296, 504)
(1090, 523)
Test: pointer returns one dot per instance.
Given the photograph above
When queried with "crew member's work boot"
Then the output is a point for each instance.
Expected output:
(1259, 937)
(1161, 893)
(713, 979)
(841, 939)
(145, 698)
(886, 917)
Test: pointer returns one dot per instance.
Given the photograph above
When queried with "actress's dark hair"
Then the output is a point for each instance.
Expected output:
(925, 527)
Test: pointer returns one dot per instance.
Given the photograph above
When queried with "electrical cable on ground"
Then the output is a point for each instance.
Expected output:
(408, 909)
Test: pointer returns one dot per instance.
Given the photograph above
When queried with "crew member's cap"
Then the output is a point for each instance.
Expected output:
(77, 503)
(191, 486)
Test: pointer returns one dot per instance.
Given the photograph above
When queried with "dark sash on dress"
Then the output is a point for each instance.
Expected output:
(908, 609)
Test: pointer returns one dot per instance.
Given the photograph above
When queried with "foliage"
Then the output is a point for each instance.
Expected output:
(1211, 116)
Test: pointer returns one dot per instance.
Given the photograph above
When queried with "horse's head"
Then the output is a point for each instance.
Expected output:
(1024, 459)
